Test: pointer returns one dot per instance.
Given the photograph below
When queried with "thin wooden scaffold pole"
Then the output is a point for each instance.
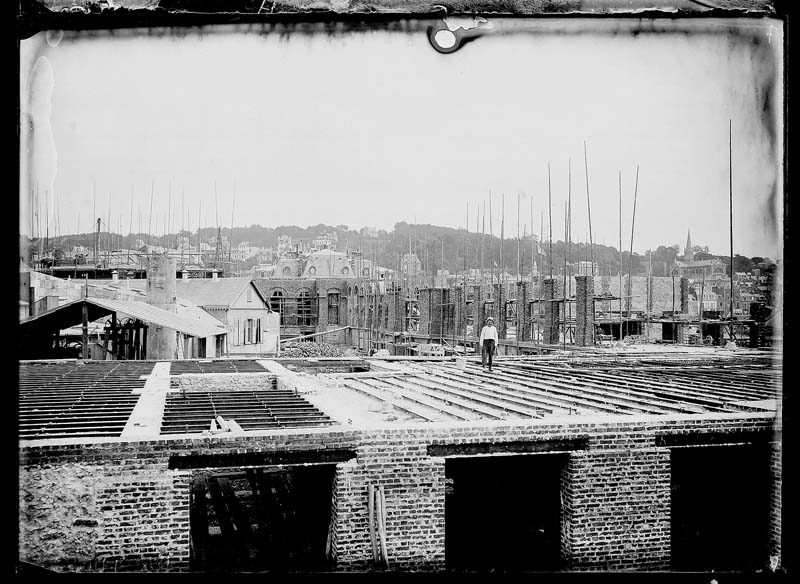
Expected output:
(619, 269)
(630, 258)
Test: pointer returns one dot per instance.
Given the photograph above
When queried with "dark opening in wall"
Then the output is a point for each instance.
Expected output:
(261, 519)
(720, 508)
(503, 513)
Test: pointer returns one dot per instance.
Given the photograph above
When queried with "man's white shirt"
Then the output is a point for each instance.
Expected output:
(488, 332)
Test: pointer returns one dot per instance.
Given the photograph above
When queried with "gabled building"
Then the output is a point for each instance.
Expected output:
(239, 305)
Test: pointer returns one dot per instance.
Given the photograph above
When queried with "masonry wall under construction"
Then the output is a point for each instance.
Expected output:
(111, 505)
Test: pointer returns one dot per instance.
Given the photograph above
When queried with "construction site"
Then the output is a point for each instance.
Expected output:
(322, 404)
(403, 463)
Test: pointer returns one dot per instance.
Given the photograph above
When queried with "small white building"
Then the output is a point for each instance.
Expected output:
(253, 328)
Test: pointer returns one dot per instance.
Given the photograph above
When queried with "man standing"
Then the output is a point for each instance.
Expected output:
(488, 342)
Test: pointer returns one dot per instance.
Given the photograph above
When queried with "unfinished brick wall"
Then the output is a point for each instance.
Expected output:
(117, 506)
(617, 514)
(584, 306)
(523, 311)
(413, 485)
(615, 492)
(123, 511)
(436, 308)
(684, 287)
(662, 288)
(551, 312)
(500, 298)
(424, 305)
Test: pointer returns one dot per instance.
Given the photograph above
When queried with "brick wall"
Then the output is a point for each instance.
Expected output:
(551, 312)
(662, 289)
(523, 311)
(500, 297)
(684, 287)
(457, 297)
(116, 506)
(584, 306)
(615, 492)
(424, 305)
(617, 512)
(123, 511)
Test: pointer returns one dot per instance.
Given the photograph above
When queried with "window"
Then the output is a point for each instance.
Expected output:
(249, 293)
(304, 308)
(365, 272)
(333, 308)
(287, 271)
(345, 270)
(276, 303)
(312, 270)
(249, 330)
(258, 330)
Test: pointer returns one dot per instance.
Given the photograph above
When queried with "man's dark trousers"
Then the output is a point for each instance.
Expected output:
(488, 349)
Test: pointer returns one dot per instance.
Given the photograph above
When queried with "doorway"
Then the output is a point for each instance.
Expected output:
(261, 519)
(720, 508)
(503, 513)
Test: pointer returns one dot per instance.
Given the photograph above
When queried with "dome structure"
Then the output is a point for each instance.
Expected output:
(288, 267)
(327, 263)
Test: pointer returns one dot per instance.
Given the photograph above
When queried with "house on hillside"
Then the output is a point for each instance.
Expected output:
(253, 328)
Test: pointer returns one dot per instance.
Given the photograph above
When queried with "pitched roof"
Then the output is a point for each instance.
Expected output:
(213, 292)
(69, 314)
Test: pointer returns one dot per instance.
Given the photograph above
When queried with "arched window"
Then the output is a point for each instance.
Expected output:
(333, 307)
(365, 272)
(276, 303)
(304, 308)
(345, 270)
(287, 271)
(312, 270)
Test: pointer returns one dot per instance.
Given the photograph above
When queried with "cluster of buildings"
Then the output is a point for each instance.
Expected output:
(176, 438)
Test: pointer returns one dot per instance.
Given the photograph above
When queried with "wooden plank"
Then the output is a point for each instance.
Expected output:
(526, 384)
(362, 387)
(460, 399)
(240, 519)
(432, 403)
(501, 399)
(199, 522)
(224, 519)
(371, 519)
(633, 395)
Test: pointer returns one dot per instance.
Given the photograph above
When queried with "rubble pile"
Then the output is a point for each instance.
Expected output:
(309, 349)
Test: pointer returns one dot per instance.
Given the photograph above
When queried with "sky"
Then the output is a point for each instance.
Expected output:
(375, 127)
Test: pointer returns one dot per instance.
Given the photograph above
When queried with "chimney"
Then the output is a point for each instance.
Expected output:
(114, 275)
(184, 274)
(161, 293)
(214, 274)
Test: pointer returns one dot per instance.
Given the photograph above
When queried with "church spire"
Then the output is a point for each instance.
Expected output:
(688, 252)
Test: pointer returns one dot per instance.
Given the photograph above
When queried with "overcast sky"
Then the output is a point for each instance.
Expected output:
(372, 128)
